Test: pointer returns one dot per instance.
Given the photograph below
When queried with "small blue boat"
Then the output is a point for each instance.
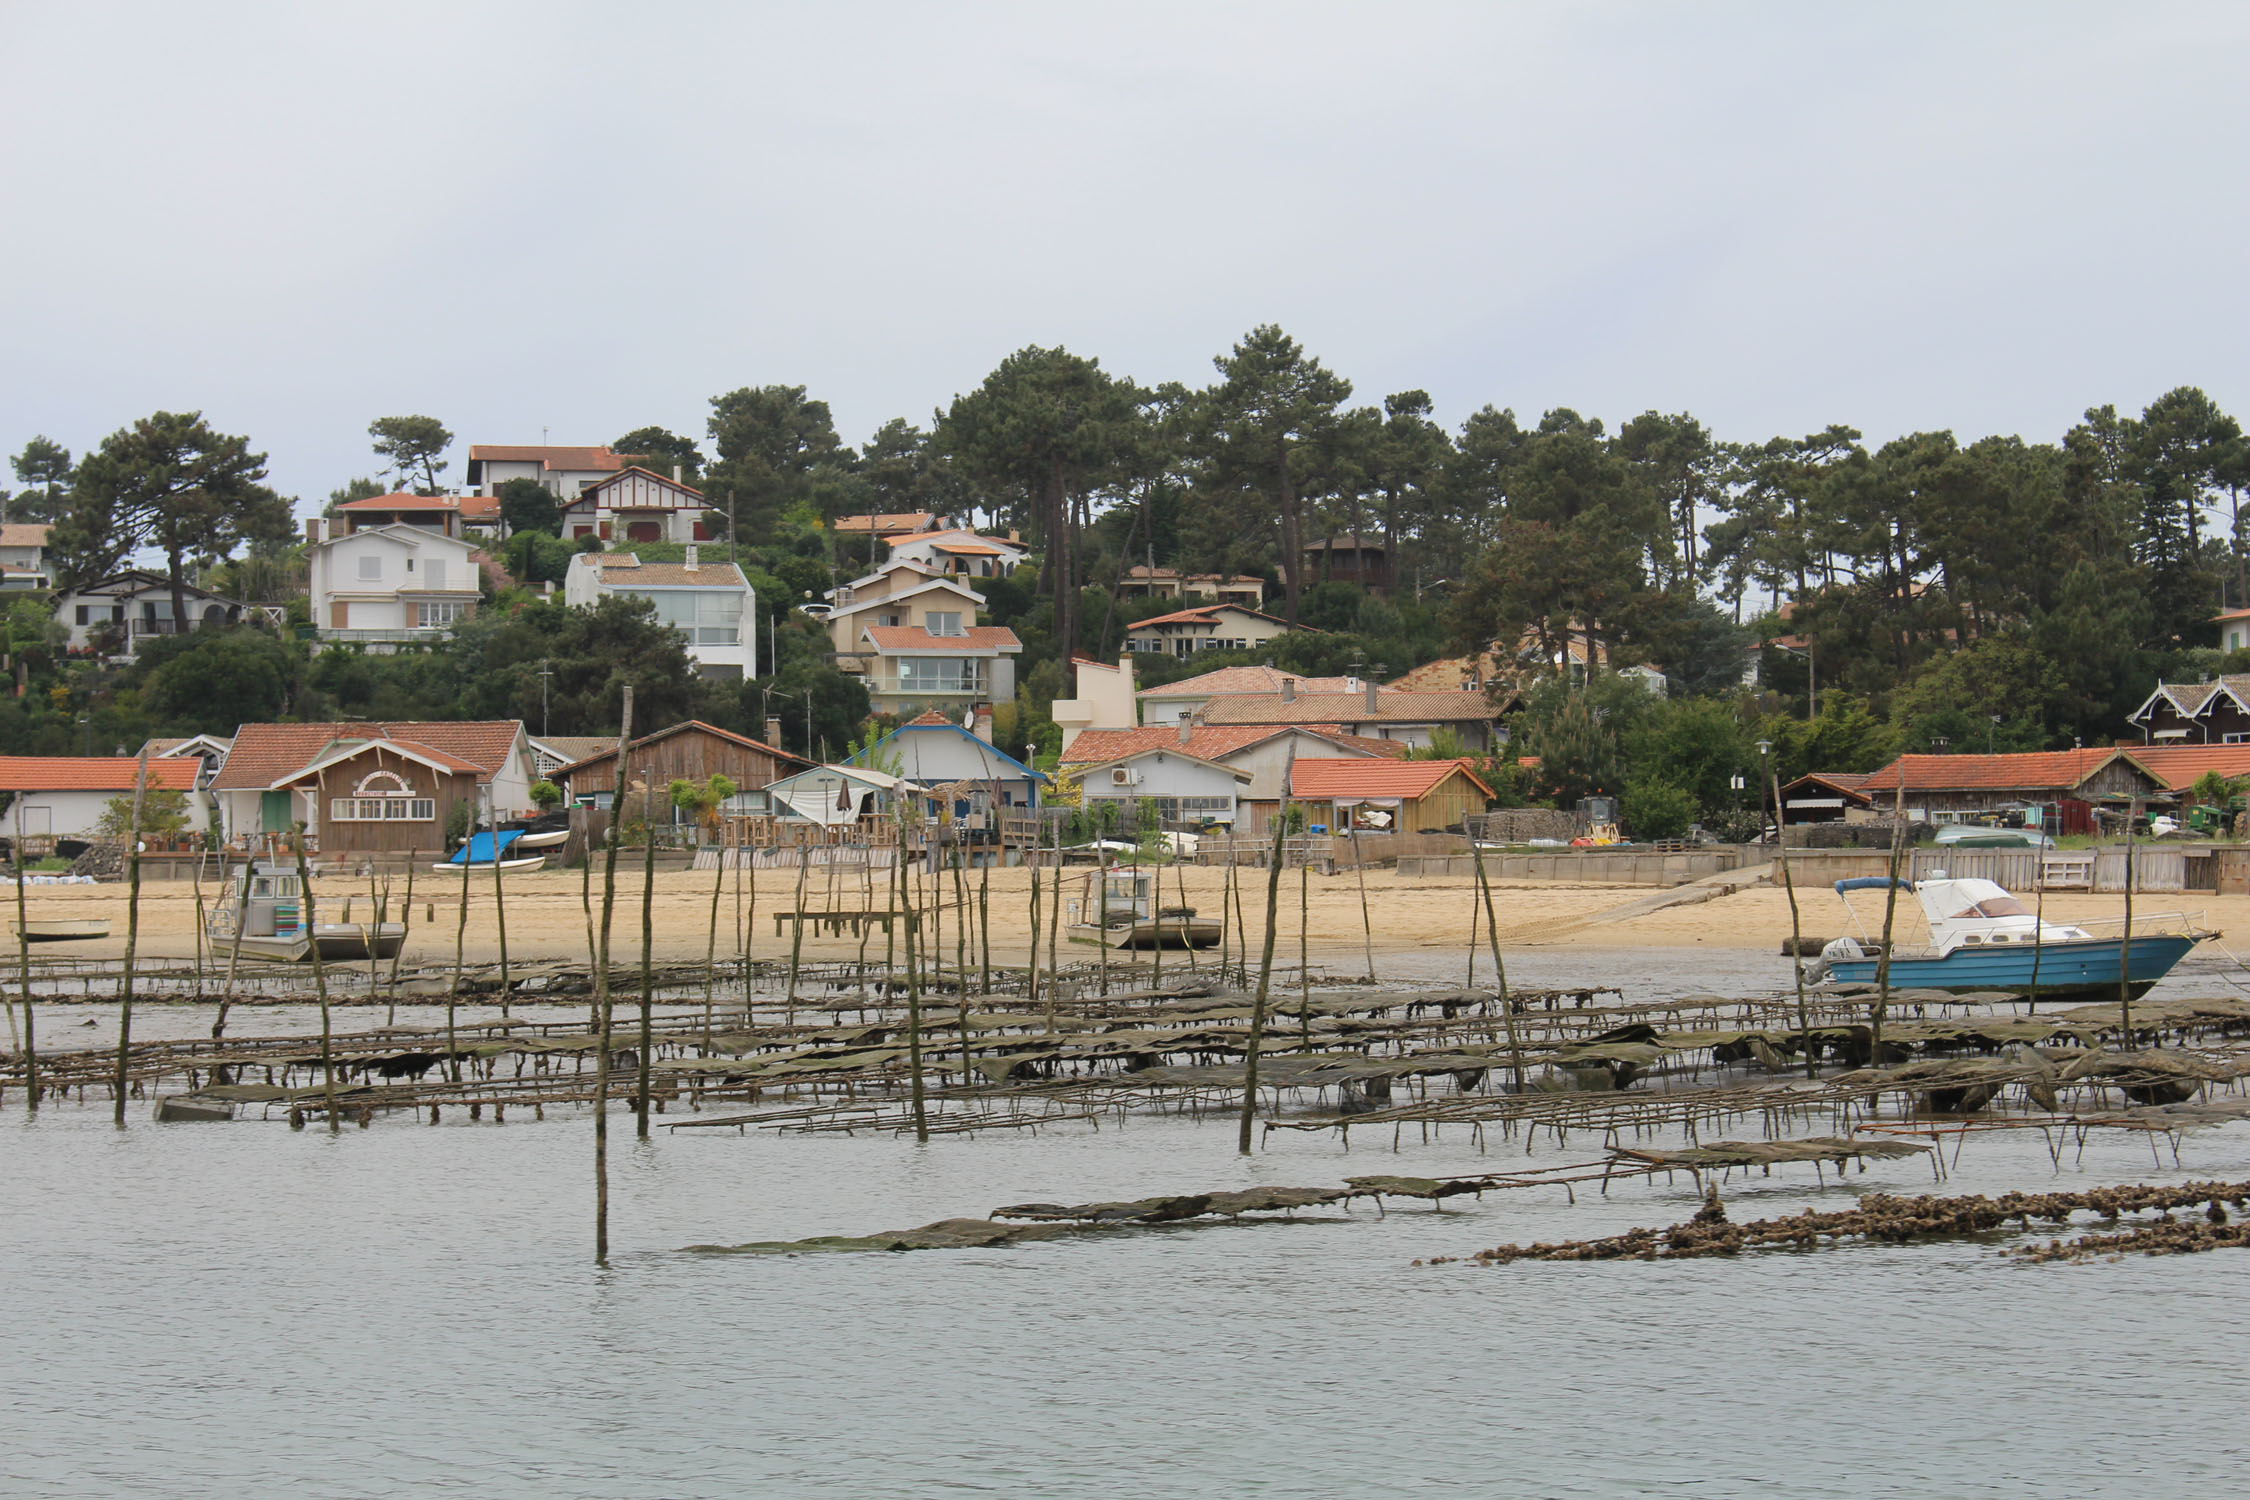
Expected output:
(483, 848)
(1982, 938)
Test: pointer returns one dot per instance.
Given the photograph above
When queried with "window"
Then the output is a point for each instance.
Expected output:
(382, 797)
(410, 565)
(889, 619)
(429, 615)
(83, 612)
(943, 622)
(370, 569)
(703, 617)
(940, 674)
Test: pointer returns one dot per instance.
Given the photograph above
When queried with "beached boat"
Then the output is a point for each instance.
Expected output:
(73, 930)
(263, 901)
(1122, 912)
(1982, 938)
(543, 838)
(478, 853)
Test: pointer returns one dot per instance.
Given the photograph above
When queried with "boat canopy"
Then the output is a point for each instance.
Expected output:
(1870, 883)
(479, 851)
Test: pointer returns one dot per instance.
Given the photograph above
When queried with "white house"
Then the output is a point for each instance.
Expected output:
(64, 796)
(127, 608)
(391, 584)
(932, 751)
(562, 471)
(23, 556)
(1184, 788)
(1208, 627)
(960, 552)
(635, 505)
(1262, 752)
(711, 605)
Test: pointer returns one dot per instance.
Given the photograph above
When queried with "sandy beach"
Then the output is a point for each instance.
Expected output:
(547, 921)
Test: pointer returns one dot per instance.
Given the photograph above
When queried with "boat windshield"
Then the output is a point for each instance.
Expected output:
(1995, 906)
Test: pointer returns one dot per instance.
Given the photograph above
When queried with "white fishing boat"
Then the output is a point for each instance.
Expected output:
(550, 838)
(263, 902)
(478, 854)
(1122, 911)
(69, 930)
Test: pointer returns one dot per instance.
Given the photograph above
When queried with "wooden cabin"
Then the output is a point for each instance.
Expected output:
(1406, 796)
(384, 796)
(690, 751)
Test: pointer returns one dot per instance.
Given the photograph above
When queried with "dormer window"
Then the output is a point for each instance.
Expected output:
(943, 622)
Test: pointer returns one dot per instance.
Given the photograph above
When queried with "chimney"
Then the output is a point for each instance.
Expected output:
(1288, 689)
(312, 528)
(547, 589)
(692, 564)
(676, 474)
(1371, 695)
(1187, 733)
(982, 728)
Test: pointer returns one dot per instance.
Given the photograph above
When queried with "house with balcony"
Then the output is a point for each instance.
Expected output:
(391, 585)
(1145, 582)
(1209, 627)
(942, 662)
(1364, 560)
(710, 604)
(902, 594)
(959, 552)
(117, 615)
(23, 557)
(563, 472)
(636, 505)
(447, 515)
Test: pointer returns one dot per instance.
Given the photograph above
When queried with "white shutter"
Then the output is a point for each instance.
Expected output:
(433, 576)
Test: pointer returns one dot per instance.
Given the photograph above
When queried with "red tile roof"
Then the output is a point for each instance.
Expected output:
(2037, 770)
(265, 753)
(471, 507)
(1208, 614)
(1319, 780)
(1210, 742)
(2178, 766)
(1351, 708)
(1230, 680)
(23, 534)
(631, 469)
(93, 773)
(931, 718)
(594, 458)
(887, 521)
(916, 638)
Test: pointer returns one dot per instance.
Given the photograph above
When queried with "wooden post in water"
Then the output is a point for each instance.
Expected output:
(1796, 928)
(499, 901)
(310, 925)
(2039, 930)
(234, 949)
(648, 975)
(1499, 969)
(961, 956)
(711, 944)
(405, 927)
(1054, 923)
(1179, 879)
(604, 1044)
(1241, 927)
(2125, 944)
(460, 942)
(913, 1014)
(1304, 942)
(1031, 967)
(23, 977)
(1265, 984)
(797, 937)
(1890, 912)
(1366, 918)
(132, 928)
(1101, 928)
(586, 905)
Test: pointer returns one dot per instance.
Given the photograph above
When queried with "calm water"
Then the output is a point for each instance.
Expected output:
(192, 1311)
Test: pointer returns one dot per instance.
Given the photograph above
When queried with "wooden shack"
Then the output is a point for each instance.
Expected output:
(689, 751)
(1407, 796)
(384, 796)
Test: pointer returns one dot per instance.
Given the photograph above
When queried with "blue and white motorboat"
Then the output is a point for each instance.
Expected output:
(1983, 938)
(484, 850)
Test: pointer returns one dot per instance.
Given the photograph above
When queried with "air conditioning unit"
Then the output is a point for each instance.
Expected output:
(1124, 776)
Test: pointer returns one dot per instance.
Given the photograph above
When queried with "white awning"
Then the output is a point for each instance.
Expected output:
(1343, 802)
(2171, 734)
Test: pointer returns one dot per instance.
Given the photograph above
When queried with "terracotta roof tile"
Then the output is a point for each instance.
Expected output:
(594, 458)
(1229, 680)
(605, 748)
(885, 521)
(1321, 779)
(23, 534)
(2037, 770)
(93, 773)
(2178, 766)
(471, 507)
(1351, 708)
(1208, 614)
(916, 638)
(264, 753)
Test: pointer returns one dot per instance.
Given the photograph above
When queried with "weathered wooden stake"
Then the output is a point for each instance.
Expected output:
(234, 949)
(1265, 982)
(1796, 929)
(648, 977)
(604, 1030)
(460, 942)
(23, 972)
(914, 1026)
(711, 945)
(132, 929)
(499, 903)
(310, 919)
(1890, 912)
(1499, 969)
(797, 938)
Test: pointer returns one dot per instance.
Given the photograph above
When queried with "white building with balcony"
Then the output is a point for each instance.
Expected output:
(564, 472)
(23, 556)
(391, 585)
(711, 605)
(636, 505)
(121, 612)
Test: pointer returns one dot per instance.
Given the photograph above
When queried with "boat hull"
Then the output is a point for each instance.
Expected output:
(2064, 969)
(484, 867)
(74, 931)
(1166, 932)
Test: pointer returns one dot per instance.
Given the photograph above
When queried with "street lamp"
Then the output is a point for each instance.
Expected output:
(1765, 750)
(1988, 733)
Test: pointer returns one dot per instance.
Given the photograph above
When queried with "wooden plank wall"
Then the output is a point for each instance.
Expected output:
(690, 755)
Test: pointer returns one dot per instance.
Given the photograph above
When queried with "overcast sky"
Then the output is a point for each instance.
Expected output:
(580, 219)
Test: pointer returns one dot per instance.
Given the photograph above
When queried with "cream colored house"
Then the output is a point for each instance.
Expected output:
(1104, 701)
(1208, 627)
(391, 584)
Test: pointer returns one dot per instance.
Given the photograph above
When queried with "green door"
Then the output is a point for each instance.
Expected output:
(273, 813)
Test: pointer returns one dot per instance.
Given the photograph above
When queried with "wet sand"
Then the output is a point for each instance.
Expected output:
(546, 921)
